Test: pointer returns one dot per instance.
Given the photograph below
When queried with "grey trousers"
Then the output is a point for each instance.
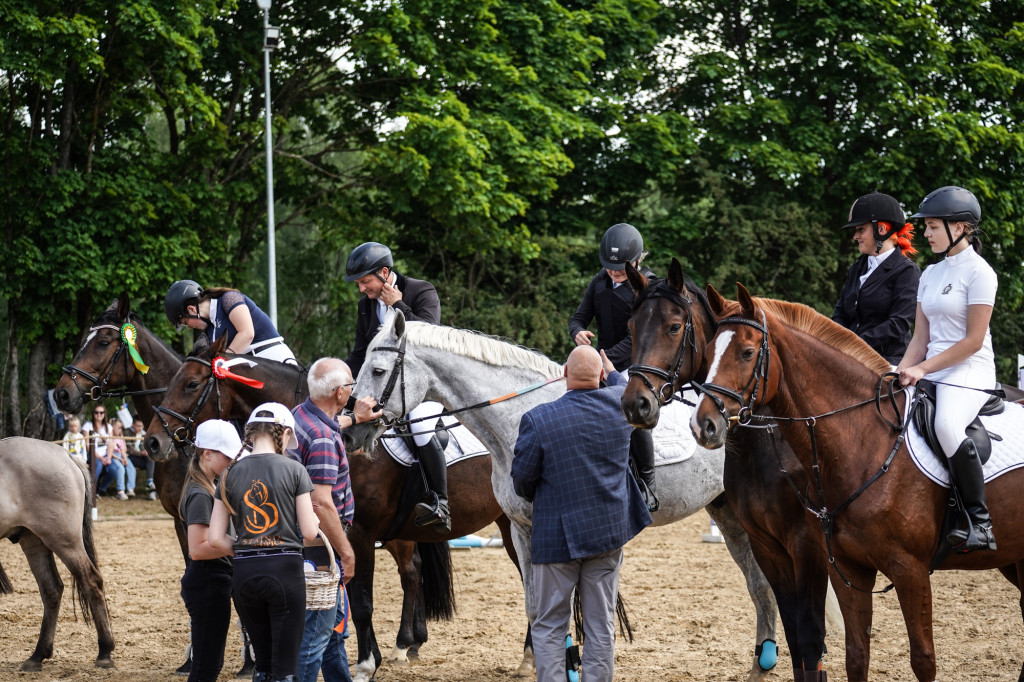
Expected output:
(597, 578)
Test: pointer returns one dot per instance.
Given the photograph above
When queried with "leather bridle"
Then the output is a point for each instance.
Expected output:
(758, 376)
(181, 435)
(98, 392)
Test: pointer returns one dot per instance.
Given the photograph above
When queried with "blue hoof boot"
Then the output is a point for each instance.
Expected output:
(767, 653)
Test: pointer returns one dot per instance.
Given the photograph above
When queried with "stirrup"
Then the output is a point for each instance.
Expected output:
(972, 539)
(435, 515)
(650, 499)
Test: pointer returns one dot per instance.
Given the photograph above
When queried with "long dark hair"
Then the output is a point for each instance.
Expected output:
(252, 430)
(195, 474)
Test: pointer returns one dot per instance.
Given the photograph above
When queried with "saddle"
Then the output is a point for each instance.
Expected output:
(924, 419)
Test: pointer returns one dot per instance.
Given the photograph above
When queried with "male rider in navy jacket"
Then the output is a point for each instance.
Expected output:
(571, 460)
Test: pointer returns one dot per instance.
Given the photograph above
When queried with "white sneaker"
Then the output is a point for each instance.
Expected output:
(121, 495)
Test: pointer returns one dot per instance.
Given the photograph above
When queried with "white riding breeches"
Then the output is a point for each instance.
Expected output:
(273, 349)
(956, 406)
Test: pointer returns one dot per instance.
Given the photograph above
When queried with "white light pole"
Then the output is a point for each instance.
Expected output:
(271, 36)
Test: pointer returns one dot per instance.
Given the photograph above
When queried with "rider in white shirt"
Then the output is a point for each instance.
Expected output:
(952, 344)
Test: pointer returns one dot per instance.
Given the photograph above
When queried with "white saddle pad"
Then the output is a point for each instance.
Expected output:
(673, 441)
(1007, 454)
(461, 445)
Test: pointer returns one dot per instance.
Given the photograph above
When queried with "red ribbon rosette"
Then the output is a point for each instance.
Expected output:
(221, 371)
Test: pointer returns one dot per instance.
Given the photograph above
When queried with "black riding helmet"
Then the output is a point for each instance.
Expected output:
(182, 293)
(366, 258)
(951, 203)
(621, 244)
(875, 208)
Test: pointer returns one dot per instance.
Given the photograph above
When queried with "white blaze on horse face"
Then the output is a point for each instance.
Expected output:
(92, 334)
(721, 343)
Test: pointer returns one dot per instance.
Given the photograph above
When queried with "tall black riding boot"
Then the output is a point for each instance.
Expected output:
(641, 449)
(435, 512)
(970, 482)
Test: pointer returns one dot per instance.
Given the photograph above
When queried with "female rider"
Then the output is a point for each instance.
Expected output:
(225, 312)
(952, 345)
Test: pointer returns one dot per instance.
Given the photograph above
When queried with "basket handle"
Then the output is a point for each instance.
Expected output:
(330, 554)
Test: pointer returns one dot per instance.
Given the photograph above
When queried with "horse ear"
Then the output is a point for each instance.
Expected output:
(399, 324)
(123, 306)
(218, 346)
(715, 300)
(636, 280)
(745, 299)
(676, 279)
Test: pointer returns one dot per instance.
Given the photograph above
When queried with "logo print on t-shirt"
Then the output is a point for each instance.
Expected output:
(263, 515)
(949, 288)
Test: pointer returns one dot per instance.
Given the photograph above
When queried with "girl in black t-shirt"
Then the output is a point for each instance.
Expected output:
(206, 585)
(267, 498)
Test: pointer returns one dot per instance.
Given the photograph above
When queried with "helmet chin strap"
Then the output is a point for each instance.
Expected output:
(879, 237)
(949, 234)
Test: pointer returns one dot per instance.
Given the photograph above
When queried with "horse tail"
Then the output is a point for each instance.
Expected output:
(87, 541)
(5, 583)
(833, 616)
(625, 627)
(438, 587)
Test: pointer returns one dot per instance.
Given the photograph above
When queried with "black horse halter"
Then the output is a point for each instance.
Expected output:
(98, 390)
(666, 393)
(758, 376)
(181, 436)
(397, 373)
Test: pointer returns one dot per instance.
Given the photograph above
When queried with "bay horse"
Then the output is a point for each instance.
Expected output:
(880, 512)
(103, 368)
(460, 368)
(671, 326)
(46, 507)
(195, 394)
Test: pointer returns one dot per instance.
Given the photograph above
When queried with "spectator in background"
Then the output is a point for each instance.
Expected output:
(74, 442)
(117, 449)
(137, 454)
(105, 468)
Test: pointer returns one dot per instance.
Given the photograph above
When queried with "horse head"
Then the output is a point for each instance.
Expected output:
(669, 335)
(383, 376)
(96, 366)
(192, 397)
(741, 376)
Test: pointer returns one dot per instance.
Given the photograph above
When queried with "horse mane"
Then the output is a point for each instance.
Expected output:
(806, 319)
(492, 350)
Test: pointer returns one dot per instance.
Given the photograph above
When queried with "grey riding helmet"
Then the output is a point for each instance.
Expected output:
(621, 244)
(179, 296)
(951, 203)
(366, 258)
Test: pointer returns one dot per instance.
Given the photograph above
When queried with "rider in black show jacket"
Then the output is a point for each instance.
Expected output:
(883, 308)
(419, 303)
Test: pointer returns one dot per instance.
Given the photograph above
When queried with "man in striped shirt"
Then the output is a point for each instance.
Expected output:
(320, 449)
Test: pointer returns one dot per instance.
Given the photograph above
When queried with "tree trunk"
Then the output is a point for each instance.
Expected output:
(13, 404)
(38, 423)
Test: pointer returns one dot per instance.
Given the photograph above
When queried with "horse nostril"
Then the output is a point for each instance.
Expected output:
(152, 445)
(709, 429)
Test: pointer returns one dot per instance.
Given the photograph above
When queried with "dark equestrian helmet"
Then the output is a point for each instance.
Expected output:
(874, 208)
(366, 258)
(951, 203)
(179, 296)
(621, 244)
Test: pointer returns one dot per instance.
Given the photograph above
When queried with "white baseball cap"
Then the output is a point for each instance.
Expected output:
(219, 435)
(275, 413)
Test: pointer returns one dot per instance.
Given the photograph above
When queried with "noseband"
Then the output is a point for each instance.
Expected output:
(758, 376)
(666, 392)
(180, 436)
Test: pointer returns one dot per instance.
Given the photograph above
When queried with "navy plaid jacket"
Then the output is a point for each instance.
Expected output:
(572, 460)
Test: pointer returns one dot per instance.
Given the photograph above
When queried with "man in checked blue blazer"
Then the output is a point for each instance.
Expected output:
(571, 460)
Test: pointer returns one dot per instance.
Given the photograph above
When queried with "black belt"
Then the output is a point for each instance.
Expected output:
(249, 553)
(263, 348)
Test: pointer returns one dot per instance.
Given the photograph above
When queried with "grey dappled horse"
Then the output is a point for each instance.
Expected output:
(45, 508)
(409, 362)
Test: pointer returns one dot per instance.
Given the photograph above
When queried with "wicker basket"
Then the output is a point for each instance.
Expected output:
(322, 586)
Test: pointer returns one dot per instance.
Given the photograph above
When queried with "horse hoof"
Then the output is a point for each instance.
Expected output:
(105, 663)
(31, 666)
(398, 658)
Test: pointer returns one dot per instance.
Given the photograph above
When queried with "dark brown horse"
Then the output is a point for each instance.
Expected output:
(821, 383)
(103, 368)
(47, 510)
(377, 483)
(671, 326)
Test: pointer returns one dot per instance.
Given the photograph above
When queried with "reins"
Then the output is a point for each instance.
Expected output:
(180, 436)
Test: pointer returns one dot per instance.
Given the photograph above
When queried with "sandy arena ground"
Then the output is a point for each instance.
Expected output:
(690, 611)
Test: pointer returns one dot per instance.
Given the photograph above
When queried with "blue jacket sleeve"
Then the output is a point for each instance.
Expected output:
(526, 460)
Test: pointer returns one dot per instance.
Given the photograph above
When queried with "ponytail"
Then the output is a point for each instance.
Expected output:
(904, 239)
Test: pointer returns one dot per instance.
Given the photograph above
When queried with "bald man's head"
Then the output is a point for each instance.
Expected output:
(583, 369)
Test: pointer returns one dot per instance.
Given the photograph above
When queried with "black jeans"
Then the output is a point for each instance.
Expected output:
(270, 597)
(206, 589)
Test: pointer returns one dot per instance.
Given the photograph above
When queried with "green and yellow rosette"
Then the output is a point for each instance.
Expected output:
(128, 336)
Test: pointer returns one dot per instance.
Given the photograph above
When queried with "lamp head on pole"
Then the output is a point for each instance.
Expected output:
(264, 4)
(271, 38)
